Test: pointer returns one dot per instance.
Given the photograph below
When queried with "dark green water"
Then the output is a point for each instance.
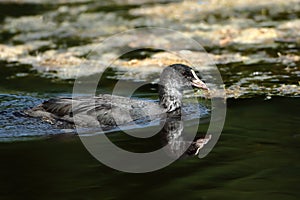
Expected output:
(257, 157)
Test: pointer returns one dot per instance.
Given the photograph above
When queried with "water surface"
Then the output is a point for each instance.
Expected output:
(256, 47)
(257, 156)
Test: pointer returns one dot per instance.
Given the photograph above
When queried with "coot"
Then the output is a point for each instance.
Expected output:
(108, 111)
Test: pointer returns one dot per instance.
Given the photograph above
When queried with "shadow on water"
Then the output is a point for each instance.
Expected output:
(21, 77)
(22, 9)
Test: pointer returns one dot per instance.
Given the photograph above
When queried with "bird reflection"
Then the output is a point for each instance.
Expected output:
(179, 142)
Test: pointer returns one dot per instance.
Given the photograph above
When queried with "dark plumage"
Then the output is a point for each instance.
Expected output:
(109, 111)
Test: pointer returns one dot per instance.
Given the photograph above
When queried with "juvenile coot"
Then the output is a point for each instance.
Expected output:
(108, 111)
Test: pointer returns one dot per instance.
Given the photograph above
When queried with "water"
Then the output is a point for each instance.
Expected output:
(257, 156)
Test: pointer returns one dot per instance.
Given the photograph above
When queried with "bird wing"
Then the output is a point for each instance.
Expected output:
(105, 110)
